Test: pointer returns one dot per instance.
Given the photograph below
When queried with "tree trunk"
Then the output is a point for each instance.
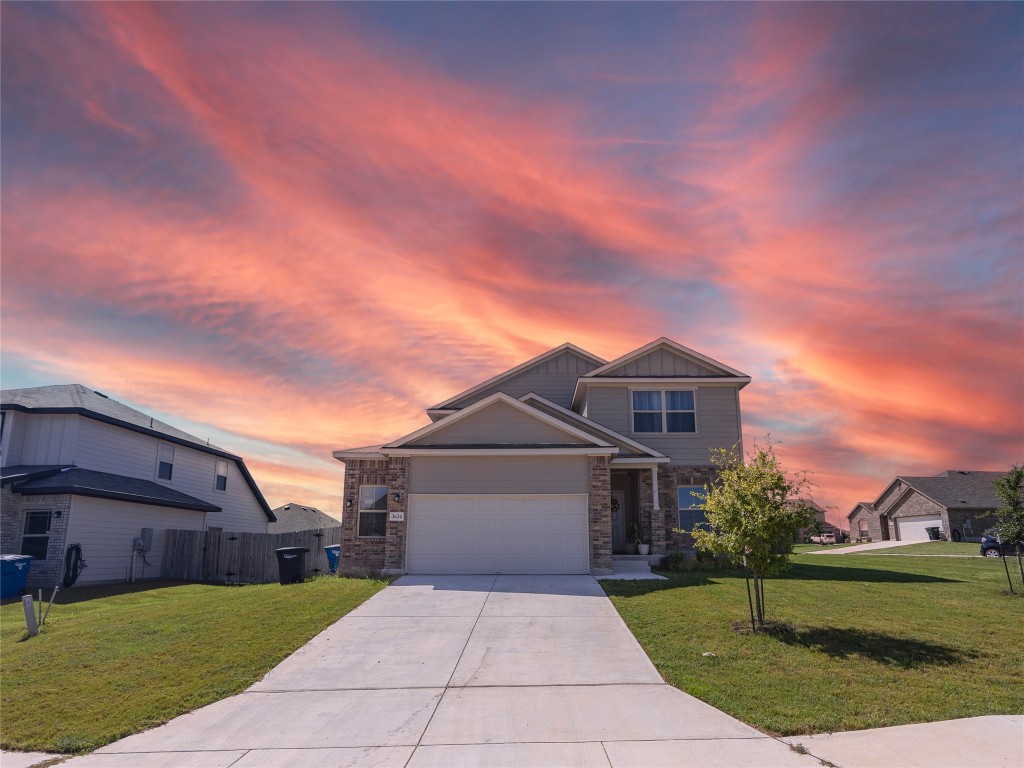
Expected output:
(1020, 567)
(757, 600)
(1008, 580)
(750, 600)
(764, 607)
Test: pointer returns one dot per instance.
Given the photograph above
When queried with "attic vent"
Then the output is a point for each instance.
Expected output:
(96, 391)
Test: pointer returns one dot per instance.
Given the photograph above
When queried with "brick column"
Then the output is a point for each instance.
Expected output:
(360, 557)
(394, 542)
(600, 511)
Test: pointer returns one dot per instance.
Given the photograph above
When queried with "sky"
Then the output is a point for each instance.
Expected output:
(290, 228)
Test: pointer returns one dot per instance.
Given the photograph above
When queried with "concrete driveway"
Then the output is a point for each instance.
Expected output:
(461, 671)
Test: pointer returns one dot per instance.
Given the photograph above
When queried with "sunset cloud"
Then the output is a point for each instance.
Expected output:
(296, 228)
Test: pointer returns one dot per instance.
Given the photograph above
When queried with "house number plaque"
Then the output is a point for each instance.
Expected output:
(396, 517)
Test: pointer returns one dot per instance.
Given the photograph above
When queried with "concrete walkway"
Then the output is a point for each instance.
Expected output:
(863, 548)
(461, 671)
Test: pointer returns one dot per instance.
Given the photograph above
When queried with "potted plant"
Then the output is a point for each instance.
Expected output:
(644, 547)
(633, 536)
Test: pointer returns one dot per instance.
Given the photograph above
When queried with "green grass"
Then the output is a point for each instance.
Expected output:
(875, 641)
(932, 548)
(108, 663)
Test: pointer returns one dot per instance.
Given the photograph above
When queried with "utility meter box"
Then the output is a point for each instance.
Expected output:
(147, 539)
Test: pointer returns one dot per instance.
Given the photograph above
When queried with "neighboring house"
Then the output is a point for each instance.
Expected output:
(80, 468)
(518, 474)
(804, 534)
(300, 517)
(960, 503)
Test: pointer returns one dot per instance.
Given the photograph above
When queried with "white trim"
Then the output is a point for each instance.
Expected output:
(355, 456)
(581, 451)
(661, 381)
(497, 397)
(440, 413)
(674, 346)
(518, 369)
(600, 427)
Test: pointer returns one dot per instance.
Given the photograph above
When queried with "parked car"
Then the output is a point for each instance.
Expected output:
(825, 538)
(992, 547)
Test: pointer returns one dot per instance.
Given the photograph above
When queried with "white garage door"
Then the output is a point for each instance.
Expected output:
(497, 534)
(913, 528)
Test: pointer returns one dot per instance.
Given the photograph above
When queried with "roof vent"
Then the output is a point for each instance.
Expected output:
(287, 507)
(96, 391)
(963, 501)
(964, 473)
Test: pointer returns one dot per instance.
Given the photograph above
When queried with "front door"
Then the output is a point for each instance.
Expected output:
(618, 521)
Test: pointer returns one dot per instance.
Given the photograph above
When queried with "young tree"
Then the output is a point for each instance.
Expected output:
(1010, 491)
(753, 515)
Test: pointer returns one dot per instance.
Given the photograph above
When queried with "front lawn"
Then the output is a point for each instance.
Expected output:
(963, 548)
(819, 547)
(109, 663)
(875, 641)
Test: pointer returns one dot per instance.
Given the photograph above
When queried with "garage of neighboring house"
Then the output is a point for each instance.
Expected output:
(915, 528)
(491, 514)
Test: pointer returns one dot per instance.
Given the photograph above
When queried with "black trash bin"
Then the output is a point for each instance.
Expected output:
(933, 534)
(291, 563)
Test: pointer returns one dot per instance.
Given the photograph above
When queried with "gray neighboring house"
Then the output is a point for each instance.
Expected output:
(78, 467)
(960, 503)
(545, 468)
(804, 534)
(300, 517)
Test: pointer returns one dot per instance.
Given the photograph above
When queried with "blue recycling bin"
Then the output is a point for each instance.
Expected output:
(13, 574)
(333, 556)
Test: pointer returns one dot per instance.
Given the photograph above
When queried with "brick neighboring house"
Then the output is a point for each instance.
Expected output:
(960, 503)
(545, 468)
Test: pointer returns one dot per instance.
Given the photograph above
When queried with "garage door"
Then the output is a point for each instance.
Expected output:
(461, 533)
(913, 528)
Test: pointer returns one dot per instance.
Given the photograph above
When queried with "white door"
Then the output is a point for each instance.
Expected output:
(499, 533)
(913, 528)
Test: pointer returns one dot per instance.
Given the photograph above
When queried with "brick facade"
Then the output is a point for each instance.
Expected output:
(362, 557)
(13, 508)
(663, 537)
(600, 513)
(398, 501)
(874, 526)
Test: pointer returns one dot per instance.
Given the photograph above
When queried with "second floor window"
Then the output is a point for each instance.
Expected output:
(373, 510)
(669, 410)
(221, 483)
(165, 462)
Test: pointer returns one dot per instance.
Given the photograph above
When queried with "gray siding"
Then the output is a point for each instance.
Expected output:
(663, 362)
(718, 422)
(554, 379)
(44, 439)
(498, 474)
(105, 530)
(106, 448)
(498, 423)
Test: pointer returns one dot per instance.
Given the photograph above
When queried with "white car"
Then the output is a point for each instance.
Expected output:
(825, 538)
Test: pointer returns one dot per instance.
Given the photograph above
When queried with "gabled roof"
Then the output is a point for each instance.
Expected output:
(497, 397)
(865, 504)
(444, 406)
(80, 400)
(22, 472)
(952, 489)
(103, 485)
(301, 517)
(625, 444)
(664, 342)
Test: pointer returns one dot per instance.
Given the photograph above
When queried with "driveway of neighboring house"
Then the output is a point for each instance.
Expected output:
(461, 671)
(863, 547)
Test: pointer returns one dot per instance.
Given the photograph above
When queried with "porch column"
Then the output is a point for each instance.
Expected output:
(659, 534)
(654, 485)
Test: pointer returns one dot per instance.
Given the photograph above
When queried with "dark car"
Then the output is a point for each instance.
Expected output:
(991, 546)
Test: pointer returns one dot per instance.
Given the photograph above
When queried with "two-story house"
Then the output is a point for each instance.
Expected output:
(546, 468)
(78, 467)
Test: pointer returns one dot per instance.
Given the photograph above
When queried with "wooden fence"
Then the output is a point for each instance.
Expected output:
(240, 558)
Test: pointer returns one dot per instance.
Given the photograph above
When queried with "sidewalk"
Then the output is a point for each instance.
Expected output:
(863, 548)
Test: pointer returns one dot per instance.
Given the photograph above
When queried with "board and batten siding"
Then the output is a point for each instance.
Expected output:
(42, 438)
(498, 474)
(105, 530)
(107, 448)
(662, 362)
(718, 421)
(498, 423)
(554, 379)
